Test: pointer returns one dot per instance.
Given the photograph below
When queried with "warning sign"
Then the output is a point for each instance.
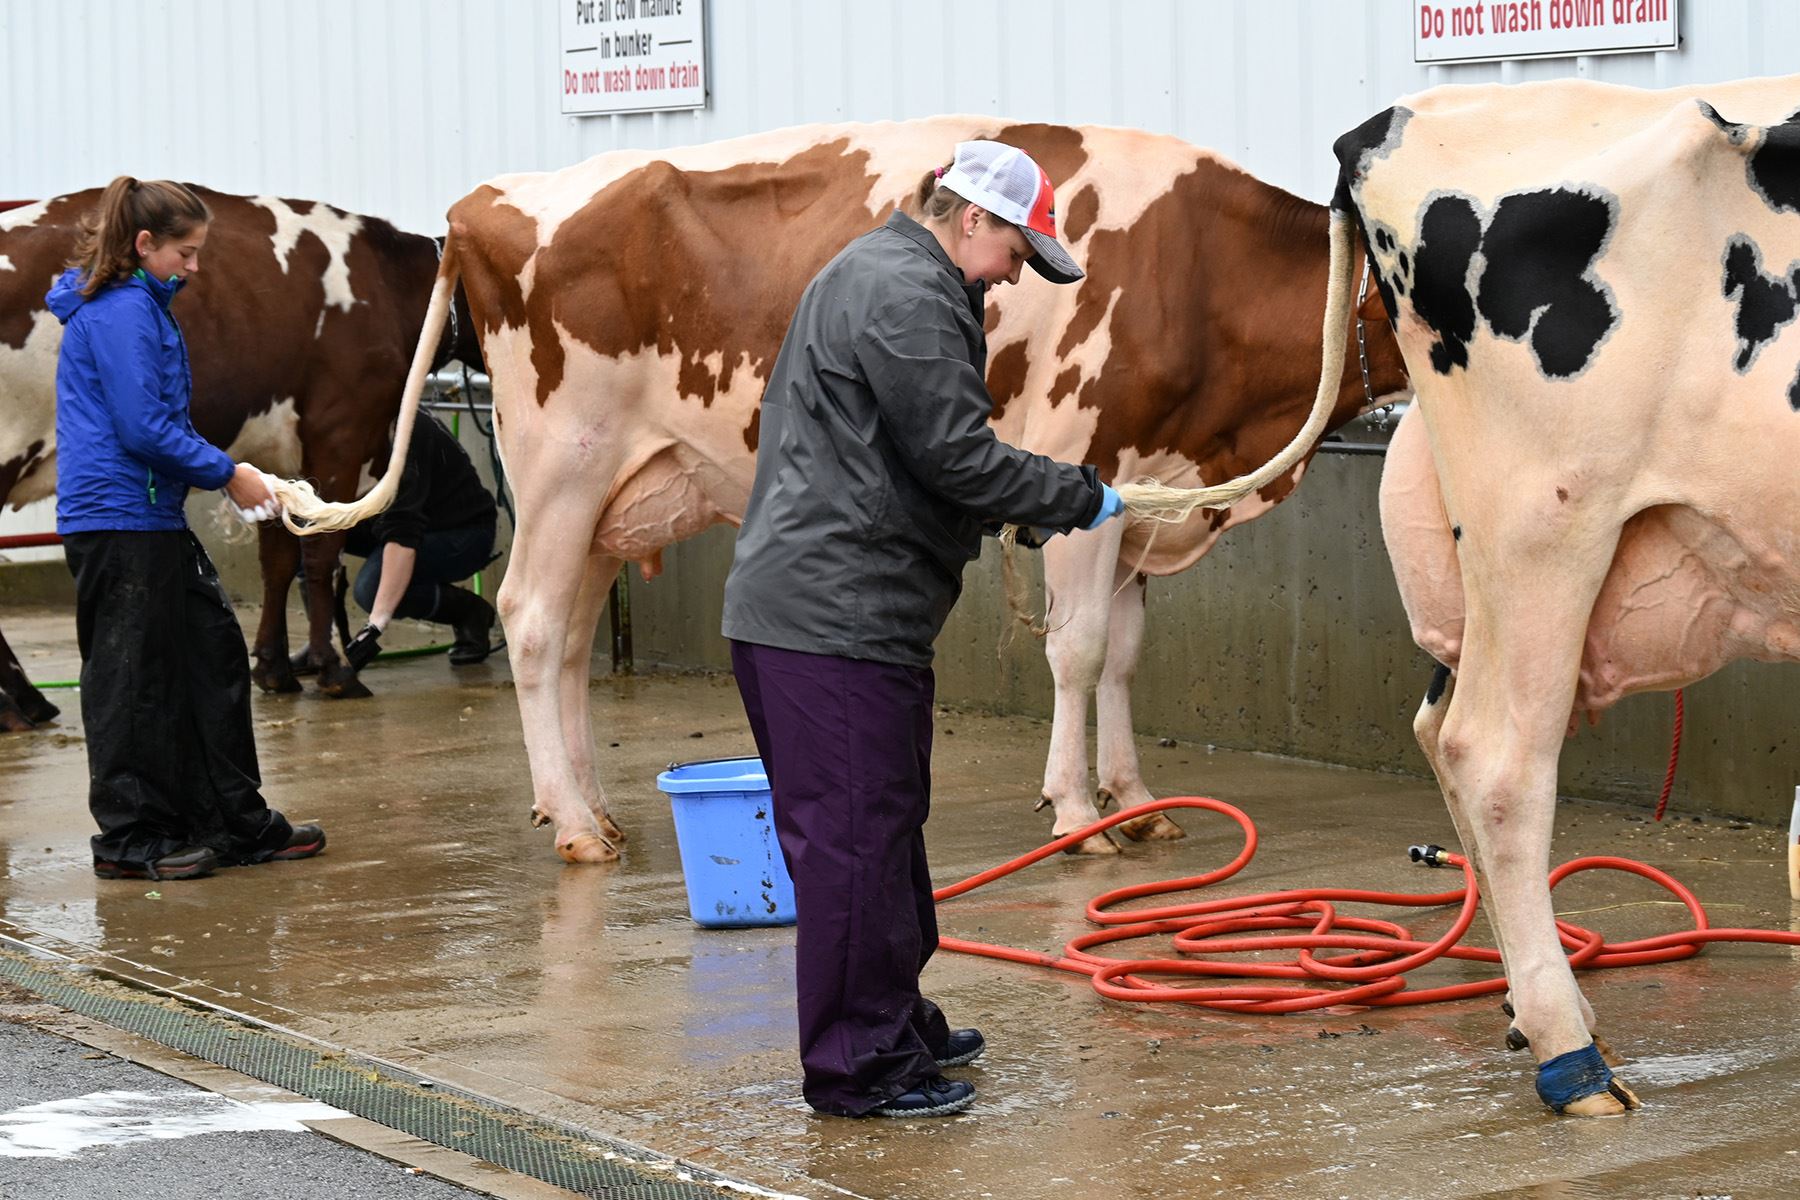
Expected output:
(1490, 29)
(622, 56)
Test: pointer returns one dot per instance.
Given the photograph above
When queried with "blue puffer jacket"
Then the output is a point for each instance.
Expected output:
(126, 450)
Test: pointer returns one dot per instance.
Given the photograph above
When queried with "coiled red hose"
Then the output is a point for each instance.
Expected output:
(1376, 954)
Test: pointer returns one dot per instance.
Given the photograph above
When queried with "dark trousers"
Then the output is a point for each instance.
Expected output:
(165, 699)
(847, 748)
(444, 556)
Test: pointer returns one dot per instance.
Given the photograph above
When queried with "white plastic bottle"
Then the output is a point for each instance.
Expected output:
(1794, 849)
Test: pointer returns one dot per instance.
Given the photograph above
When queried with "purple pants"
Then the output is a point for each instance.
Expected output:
(846, 744)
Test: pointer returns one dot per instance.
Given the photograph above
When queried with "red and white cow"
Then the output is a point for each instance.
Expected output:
(630, 308)
(1595, 492)
(300, 326)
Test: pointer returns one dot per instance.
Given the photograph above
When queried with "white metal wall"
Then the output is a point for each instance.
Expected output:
(399, 107)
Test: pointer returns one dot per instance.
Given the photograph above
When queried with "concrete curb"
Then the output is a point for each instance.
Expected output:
(36, 583)
(451, 1166)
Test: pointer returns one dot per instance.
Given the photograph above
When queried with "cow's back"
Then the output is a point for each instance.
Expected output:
(702, 251)
(1574, 246)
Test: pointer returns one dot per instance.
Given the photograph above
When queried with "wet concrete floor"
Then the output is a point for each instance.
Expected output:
(440, 931)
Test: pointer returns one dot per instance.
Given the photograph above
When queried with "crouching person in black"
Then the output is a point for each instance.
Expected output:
(439, 529)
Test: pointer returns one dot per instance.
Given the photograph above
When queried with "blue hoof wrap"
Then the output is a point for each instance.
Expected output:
(1568, 1077)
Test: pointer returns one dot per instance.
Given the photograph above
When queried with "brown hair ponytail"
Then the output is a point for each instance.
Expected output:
(935, 201)
(107, 249)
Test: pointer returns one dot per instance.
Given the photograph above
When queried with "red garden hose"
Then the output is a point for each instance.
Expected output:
(28, 541)
(1379, 953)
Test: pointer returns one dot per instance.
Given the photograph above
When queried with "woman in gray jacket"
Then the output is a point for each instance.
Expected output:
(876, 476)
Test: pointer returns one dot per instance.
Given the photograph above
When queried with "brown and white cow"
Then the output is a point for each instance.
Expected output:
(300, 327)
(630, 308)
(1595, 493)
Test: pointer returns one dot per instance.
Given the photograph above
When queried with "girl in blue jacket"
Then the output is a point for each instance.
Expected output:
(165, 679)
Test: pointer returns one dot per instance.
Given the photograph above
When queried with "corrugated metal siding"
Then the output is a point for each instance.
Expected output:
(398, 107)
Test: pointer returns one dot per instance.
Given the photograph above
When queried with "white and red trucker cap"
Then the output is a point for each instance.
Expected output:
(1004, 180)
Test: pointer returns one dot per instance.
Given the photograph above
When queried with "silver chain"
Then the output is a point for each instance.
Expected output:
(1378, 418)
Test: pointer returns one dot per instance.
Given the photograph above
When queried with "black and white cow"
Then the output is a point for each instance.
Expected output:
(1595, 493)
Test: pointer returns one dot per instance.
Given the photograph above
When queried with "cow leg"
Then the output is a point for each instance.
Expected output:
(324, 555)
(1079, 576)
(22, 706)
(1428, 724)
(279, 552)
(1530, 597)
(537, 603)
(577, 704)
(1121, 775)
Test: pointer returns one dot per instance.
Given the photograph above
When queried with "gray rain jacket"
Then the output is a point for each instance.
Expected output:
(876, 471)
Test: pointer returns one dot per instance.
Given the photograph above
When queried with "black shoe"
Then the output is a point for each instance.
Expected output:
(304, 842)
(191, 863)
(964, 1046)
(472, 618)
(937, 1097)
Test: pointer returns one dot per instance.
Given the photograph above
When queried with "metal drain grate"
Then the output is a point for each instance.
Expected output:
(582, 1162)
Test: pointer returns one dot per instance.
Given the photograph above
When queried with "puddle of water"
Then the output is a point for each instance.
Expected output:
(65, 1128)
(1667, 1070)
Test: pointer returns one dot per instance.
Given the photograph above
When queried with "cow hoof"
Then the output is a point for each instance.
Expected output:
(273, 679)
(609, 829)
(340, 683)
(1516, 1040)
(1581, 1084)
(1155, 827)
(1612, 1057)
(1101, 844)
(1616, 1101)
(539, 818)
(12, 720)
(304, 663)
(38, 710)
(587, 848)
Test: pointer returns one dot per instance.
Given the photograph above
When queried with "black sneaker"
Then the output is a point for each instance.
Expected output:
(937, 1097)
(191, 863)
(964, 1046)
(304, 842)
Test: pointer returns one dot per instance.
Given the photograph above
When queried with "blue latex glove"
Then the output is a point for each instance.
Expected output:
(1110, 506)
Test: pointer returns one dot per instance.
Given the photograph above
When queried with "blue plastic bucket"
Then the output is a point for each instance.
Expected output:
(725, 827)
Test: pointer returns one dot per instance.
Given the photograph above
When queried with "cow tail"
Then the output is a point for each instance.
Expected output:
(1017, 593)
(1154, 501)
(301, 509)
